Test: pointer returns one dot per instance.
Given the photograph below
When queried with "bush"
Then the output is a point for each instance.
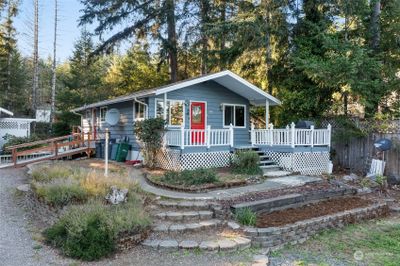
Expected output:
(50, 172)
(90, 232)
(198, 176)
(246, 162)
(246, 216)
(12, 140)
(150, 132)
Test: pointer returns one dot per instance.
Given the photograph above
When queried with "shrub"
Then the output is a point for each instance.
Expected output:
(246, 216)
(60, 192)
(48, 173)
(191, 177)
(150, 132)
(90, 231)
(12, 140)
(246, 162)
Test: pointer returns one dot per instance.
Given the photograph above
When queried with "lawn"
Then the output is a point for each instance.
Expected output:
(372, 243)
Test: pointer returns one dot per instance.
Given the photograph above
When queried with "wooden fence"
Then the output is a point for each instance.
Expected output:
(356, 154)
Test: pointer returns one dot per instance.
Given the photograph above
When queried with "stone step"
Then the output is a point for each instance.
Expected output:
(271, 167)
(185, 205)
(167, 227)
(184, 216)
(275, 173)
(218, 245)
(268, 162)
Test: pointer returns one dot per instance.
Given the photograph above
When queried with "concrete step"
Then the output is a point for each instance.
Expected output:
(264, 156)
(184, 216)
(168, 227)
(275, 173)
(216, 245)
(270, 167)
(267, 162)
(185, 205)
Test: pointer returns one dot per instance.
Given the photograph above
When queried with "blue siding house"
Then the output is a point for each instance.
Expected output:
(207, 119)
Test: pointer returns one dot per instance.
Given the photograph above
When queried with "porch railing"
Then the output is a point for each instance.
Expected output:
(208, 137)
(291, 136)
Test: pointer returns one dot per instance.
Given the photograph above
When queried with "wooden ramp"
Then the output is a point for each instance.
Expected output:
(49, 149)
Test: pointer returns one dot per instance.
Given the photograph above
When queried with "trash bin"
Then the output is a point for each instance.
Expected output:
(99, 150)
(114, 149)
(122, 151)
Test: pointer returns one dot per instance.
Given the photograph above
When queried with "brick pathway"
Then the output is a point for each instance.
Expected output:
(269, 184)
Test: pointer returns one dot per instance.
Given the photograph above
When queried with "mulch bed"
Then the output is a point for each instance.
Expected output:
(253, 196)
(292, 215)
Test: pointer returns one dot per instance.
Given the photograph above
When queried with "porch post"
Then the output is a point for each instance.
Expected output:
(182, 137)
(271, 134)
(329, 135)
(293, 134)
(266, 113)
(208, 136)
(165, 107)
(252, 135)
(231, 134)
(312, 136)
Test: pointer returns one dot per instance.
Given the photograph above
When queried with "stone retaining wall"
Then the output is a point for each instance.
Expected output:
(276, 237)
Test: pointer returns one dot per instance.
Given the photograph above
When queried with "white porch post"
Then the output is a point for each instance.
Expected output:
(266, 113)
(182, 137)
(231, 134)
(312, 136)
(329, 135)
(252, 135)
(293, 134)
(271, 134)
(165, 107)
(208, 136)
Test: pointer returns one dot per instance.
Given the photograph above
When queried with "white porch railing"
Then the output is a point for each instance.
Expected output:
(291, 136)
(199, 137)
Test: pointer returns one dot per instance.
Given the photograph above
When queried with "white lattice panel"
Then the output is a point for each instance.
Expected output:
(307, 163)
(174, 160)
(205, 160)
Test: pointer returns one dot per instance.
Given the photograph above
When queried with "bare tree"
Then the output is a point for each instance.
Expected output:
(35, 82)
(53, 79)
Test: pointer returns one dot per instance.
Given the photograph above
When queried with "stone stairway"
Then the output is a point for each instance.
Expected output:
(186, 225)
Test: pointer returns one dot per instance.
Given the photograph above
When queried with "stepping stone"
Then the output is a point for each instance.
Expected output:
(394, 208)
(205, 214)
(167, 203)
(276, 173)
(177, 227)
(193, 226)
(209, 246)
(151, 243)
(233, 225)
(174, 216)
(168, 245)
(260, 260)
(188, 244)
(242, 242)
(227, 245)
(161, 228)
(24, 187)
(190, 215)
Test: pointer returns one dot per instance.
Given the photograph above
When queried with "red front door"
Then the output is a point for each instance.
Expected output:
(198, 122)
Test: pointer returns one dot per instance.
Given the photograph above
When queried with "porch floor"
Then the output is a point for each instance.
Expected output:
(267, 185)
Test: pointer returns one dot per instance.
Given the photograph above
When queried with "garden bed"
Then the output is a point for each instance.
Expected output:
(223, 179)
(292, 215)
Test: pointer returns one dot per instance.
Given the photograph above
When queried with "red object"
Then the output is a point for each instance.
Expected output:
(198, 121)
(133, 162)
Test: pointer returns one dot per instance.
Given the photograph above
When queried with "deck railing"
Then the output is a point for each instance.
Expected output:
(291, 136)
(208, 137)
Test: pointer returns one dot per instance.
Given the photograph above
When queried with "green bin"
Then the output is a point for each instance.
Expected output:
(122, 152)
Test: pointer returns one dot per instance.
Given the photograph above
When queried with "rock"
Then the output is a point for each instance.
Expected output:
(233, 225)
(151, 243)
(209, 246)
(242, 242)
(177, 228)
(227, 245)
(364, 190)
(188, 244)
(24, 187)
(169, 244)
(351, 178)
(116, 196)
(260, 260)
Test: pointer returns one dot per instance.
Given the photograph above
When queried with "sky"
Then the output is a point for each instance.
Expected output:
(68, 30)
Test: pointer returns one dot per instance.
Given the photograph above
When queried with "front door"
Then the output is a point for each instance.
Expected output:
(198, 122)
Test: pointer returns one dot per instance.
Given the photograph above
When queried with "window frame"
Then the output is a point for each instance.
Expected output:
(145, 111)
(169, 110)
(234, 105)
(100, 111)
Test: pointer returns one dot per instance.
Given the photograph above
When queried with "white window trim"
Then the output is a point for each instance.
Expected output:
(101, 119)
(146, 111)
(205, 113)
(169, 111)
(234, 115)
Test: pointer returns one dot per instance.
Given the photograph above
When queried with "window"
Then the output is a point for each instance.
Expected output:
(235, 115)
(175, 111)
(140, 111)
(103, 111)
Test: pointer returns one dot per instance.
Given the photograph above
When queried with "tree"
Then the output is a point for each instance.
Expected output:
(54, 76)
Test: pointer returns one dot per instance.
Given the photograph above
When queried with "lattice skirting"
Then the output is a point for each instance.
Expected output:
(174, 160)
(307, 163)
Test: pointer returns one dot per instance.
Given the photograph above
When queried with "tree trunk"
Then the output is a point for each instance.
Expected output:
(35, 81)
(268, 58)
(374, 27)
(222, 59)
(172, 42)
(204, 10)
(53, 79)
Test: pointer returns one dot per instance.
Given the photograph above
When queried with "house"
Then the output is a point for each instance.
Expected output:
(207, 119)
(9, 125)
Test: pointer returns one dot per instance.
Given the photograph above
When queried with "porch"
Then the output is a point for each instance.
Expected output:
(278, 139)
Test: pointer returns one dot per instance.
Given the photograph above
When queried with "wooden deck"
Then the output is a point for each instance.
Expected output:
(49, 149)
